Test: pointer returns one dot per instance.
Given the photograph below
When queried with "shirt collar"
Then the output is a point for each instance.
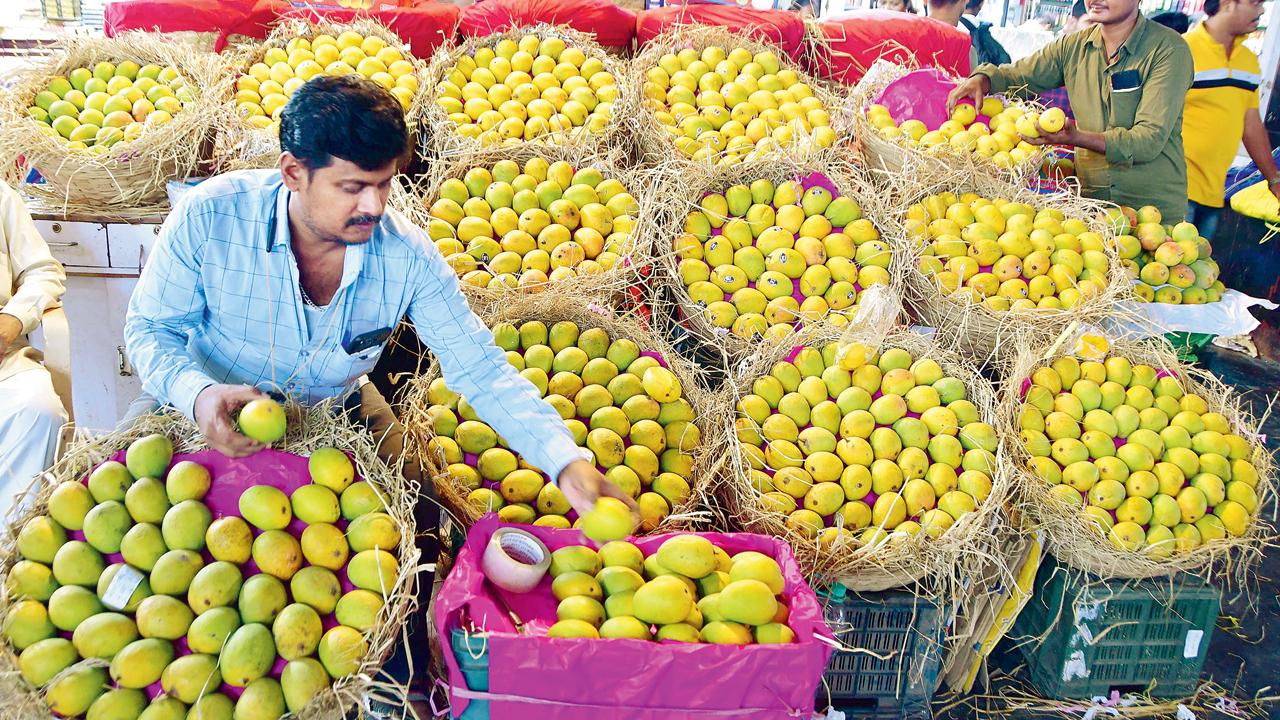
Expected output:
(1128, 47)
(279, 238)
(1201, 32)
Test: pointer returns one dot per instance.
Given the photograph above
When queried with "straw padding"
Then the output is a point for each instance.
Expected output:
(1076, 541)
(241, 146)
(683, 196)
(897, 158)
(655, 142)
(322, 426)
(550, 308)
(129, 173)
(605, 287)
(976, 330)
(444, 142)
(936, 567)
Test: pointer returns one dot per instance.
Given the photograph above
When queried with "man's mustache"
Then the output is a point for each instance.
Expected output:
(364, 220)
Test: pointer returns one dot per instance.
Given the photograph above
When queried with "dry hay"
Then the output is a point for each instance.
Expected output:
(605, 287)
(898, 159)
(1076, 541)
(655, 145)
(322, 426)
(241, 146)
(1013, 698)
(683, 197)
(131, 173)
(940, 568)
(551, 308)
(445, 144)
(987, 335)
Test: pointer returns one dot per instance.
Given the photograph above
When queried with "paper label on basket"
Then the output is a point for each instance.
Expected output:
(121, 587)
(1085, 633)
(1191, 648)
(1075, 667)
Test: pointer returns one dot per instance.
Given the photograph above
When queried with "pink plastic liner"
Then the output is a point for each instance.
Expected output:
(229, 477)
(531, 675)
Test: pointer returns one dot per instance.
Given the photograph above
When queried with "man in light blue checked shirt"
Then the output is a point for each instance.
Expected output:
(290, 281)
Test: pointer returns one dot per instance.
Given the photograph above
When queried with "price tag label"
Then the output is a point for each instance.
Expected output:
(121, 588)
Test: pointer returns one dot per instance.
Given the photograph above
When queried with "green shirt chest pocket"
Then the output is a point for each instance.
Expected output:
(1126, 94)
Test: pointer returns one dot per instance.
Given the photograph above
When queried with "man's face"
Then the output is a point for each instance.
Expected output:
(342, 203)
(1110, 12)
(1242, 15)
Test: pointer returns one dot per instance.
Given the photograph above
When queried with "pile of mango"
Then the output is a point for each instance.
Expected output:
(131, 582)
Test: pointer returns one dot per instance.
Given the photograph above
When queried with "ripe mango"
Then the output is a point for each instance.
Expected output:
(105, 526)
(42, 660)
(359, 609)
(142, 546)
(317, 587)
(262, 700)
(358, 499)
(265, 507)
(149, 456)
(77, 563)
(71, 605)
(190, 676)
(147, 501)
(30, 580)
(212, 706)
(118, 704)
(187, 480)
(331, 468)
(262, 597)
(27, 623)
(185, 524)
(341, 650)
(325, 546)
(247, 655)
(141, 662)
(215, 585)
(163, 707)
(302, 680)
(210, 630)
(72, 694)
(277, 553)
(174, 571)
(315, 504)
(69, 503)
(40, 539)
(297, 631)
(109, 481)
(103, 635)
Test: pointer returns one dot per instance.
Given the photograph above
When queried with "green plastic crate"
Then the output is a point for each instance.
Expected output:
(894, 623)
(472, 654)
(1187, 344)
(1103, 636)
(60, 9)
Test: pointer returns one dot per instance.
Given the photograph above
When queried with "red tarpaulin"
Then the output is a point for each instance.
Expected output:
(611, 25)
(857, 39)
(780, 27)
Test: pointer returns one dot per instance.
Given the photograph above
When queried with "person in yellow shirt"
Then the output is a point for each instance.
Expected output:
(1222, 108)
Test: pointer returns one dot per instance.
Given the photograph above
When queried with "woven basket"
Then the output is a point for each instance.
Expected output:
(131, 173)
(319, 427)
(241, 146)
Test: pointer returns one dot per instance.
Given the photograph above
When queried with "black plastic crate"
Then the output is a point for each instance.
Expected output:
(1099, 636)
(901, 627)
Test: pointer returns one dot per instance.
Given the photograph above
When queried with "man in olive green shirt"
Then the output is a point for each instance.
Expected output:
(1127, 79)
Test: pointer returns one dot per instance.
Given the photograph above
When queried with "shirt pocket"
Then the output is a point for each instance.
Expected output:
(1124, 107)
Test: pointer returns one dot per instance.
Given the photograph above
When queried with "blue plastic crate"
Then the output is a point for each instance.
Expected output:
(472, 653)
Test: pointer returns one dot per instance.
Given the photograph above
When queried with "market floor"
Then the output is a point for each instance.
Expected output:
(1244, 653)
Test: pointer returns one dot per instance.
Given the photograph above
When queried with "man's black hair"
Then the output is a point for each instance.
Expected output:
(1077, 9)
(973, 6)
(1180, 22)
(1211, 7)
(347, 117)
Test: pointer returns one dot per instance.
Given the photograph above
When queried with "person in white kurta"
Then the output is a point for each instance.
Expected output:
(31, 415)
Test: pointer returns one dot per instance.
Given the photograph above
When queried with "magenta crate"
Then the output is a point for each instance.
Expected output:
(531, 675)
